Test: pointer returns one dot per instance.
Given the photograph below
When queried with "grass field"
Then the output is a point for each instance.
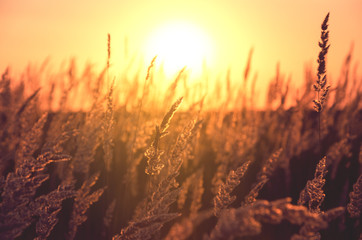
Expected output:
(88, 155)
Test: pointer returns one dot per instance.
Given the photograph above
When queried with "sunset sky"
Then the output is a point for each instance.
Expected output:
(279, 31)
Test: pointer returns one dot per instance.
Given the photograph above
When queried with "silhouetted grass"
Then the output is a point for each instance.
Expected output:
(139, 163)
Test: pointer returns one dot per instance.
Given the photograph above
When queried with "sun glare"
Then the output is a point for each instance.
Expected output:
(179, 45)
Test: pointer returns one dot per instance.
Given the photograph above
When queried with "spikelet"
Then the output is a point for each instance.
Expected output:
(107, 130)
(197, 193)
(354, 207)
(31, 141)
(313, 193)
(263, 177)
(167, 118)
(153, 153)
(83, 200)
(193, 184)
(336, 153)
(170, 93)
(321, 86)
(254, 192)
(223, 198)
(17, 206)
(269, 166)
(108, 49)
(5, 91)
(88, 140)
(47, 208)
(247, 220)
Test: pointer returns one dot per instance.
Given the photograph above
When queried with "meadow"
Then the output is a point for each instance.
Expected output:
(90, 155)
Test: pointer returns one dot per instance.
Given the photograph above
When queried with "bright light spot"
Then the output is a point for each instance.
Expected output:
(179, 44)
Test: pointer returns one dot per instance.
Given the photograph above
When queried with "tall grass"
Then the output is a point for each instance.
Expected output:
(134, 162)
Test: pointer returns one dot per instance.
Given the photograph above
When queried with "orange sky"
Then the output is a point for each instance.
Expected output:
(279, 31)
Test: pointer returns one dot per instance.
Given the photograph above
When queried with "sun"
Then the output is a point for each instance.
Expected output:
(178, 45)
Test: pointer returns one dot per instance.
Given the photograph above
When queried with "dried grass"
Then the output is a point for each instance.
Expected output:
(114, 170)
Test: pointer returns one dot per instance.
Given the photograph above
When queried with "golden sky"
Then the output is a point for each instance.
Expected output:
(279, 31)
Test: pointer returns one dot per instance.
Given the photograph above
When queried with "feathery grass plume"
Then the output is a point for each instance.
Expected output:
(170, 93)
(145, 132)
(233, 147)
(321, 86)
(310, 230)
(28, 117)
(193, 184)
(51, 96)
(274, 88)
(149, 69)
(19, 187)
(248, 65)
(20, 117)
(254, 192)
(284, 94)
(247, 220)
(18, 208)
(15, 214)
(313, 193)
(83, 200)
(159, 201)
(139, 110)
(167, 190)
(97, 86)
(108, 49)
(47, 208)
(185, 188)
(235, 223)
(253, 94)
(26, 103)
(244, 90)
(18, 92)
(263, 177)
(30, 141)
(197, 193)
(183, 140)
(145, 228)
(29, 206)
(71, 84)
(192, 150)
(162, 198)
(153, 153)
(291, 142)
(9, 124)
(107, 130)
(354, 206)
(336, 153)
(167, 118)
(223, 198)
(88, 140)
(62, 129)
(269, 166)
(5, 91)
